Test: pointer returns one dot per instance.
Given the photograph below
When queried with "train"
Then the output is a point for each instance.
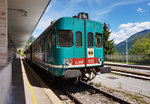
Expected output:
(71, 47)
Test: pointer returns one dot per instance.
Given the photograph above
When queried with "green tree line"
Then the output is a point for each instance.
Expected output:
(141, 45)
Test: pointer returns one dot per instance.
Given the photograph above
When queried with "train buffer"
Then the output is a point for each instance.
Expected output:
(28, 88)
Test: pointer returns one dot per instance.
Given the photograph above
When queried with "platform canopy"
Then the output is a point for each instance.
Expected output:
(23, 16)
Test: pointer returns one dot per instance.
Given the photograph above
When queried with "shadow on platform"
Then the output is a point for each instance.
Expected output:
(30, 76)
(17, 92)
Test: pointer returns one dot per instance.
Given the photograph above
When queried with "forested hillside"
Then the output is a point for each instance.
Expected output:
(121, 47)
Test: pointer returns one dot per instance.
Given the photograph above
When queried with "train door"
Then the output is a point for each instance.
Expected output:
(51, 48)
(89, 40)
(84, 31)
(84, 41)
(93, 42)
(98, 48)
(79, 53)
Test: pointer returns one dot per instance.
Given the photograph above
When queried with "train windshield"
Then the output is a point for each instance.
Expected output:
(65, 38)
(90, 40)
(98, 40)
(78, 39)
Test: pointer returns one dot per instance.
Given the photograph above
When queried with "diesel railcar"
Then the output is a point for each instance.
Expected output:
(70, 47)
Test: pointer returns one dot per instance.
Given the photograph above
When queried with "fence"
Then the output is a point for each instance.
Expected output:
(131, 58)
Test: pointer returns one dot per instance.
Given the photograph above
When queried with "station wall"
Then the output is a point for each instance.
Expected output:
(3, 33)
(5, 82)
(5, 66)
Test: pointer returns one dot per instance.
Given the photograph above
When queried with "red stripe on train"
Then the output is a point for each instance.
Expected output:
(81, 61)
(78, 61)
(91, 60)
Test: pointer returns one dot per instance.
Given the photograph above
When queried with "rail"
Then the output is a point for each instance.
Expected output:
(127, 66)
(114, 98)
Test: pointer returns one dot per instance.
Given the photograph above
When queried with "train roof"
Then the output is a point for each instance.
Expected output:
(53, 24)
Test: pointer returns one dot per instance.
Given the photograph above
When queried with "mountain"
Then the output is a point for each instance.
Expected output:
(121, 47)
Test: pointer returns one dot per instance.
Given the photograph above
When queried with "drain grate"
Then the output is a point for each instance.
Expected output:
(111, 77)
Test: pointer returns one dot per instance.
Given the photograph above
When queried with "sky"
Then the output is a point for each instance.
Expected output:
(124, 17)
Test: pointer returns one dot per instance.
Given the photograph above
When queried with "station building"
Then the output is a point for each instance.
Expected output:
(18, 19)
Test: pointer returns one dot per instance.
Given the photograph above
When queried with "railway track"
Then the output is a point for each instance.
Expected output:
(129, 66)
(130, 73)
(62, 88)
(79, 90)
(110, 96)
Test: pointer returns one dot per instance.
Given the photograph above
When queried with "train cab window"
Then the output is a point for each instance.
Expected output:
(98, 40)
(78, 39)
(65, 38)
(90, 39)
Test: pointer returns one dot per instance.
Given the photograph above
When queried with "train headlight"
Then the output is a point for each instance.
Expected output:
(99, 60)
(67, 61)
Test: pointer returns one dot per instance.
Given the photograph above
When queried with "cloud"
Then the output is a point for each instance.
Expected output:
(128, 30)
(65, 8)
(109, 8)
(53, 12)
(77, 1)
(140, 10)
(99, 1)
(148, 4)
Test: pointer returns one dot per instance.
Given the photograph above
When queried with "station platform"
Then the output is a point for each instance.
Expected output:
(28, 88)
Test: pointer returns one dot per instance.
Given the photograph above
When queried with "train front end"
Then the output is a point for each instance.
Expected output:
(79, 49)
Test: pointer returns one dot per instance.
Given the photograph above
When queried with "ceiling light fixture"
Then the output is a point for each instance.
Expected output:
(23, 12)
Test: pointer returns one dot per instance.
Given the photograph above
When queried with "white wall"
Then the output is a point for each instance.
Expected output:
(5, 82)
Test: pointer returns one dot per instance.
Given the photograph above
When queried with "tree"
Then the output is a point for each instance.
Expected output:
(108, 45)
(141, 46)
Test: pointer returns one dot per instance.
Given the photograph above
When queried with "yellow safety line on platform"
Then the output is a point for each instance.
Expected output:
(50, 94)
(29, 85)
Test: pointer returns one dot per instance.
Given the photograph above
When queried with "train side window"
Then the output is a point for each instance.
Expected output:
(34, 48)
(53, 38)
(38, 46)
(78, 39)
(98, 40)
(65, 38)
(49, 43)
(42, 45)
(40, 49)
(90, 39)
